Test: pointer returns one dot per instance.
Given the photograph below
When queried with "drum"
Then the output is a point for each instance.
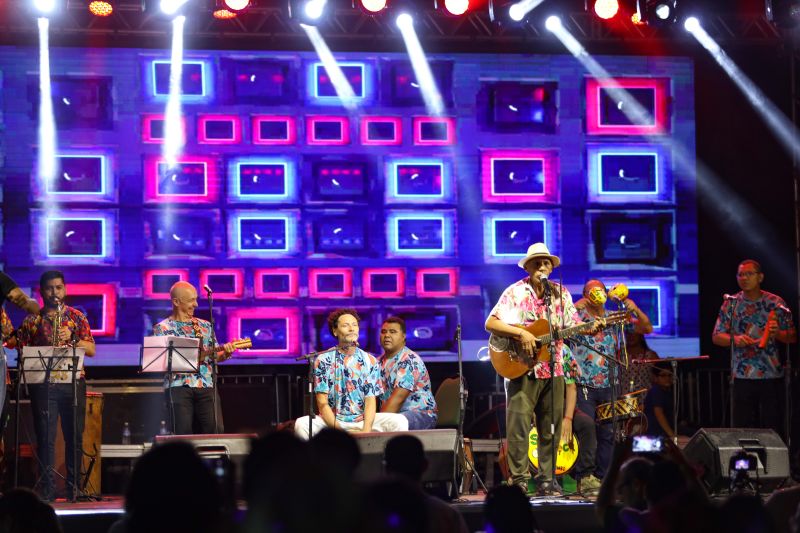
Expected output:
(627, 406)
(566, 455)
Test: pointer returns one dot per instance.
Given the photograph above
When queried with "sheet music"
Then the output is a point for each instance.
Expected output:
(185, 352)
(36, 359)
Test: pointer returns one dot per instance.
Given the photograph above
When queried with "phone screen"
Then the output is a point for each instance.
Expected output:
(647, 444)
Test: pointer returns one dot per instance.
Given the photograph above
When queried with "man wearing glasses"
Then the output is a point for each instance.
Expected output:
(760, 320)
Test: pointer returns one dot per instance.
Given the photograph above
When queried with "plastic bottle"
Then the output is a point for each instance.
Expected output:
(163, 429)
(126, 433)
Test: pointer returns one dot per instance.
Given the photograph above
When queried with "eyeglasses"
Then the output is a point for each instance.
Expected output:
(748, 274)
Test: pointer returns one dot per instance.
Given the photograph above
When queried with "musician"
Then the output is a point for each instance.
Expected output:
(347, 382)
(192, 395)
(594, 385)
(524, 303)
(11, 292)
(756, 371)
(56, 325)
(406, 383)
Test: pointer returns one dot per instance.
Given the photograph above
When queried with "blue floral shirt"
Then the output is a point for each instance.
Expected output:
(347, 380)
(407, 371)
(199, 380)
(751, 362)
(593, 366)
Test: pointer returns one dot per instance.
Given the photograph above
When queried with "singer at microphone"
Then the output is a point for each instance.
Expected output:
(751, 324)
(346, 384)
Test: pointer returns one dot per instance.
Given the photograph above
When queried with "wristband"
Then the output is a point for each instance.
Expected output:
(568, 418)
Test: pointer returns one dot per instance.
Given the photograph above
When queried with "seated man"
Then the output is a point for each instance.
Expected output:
(406, 383)
(346, 384)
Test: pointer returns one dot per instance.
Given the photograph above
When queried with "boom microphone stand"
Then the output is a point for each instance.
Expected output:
(212, 359)
(731, 335)
(462, 409)
(554, 440)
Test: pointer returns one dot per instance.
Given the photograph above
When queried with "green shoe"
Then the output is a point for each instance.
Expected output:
(589, 485)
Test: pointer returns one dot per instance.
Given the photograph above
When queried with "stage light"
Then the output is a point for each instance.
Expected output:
(691, 24)
(373, 6)
(224, 14)
(404, 21)
(606, 9)
(343, 88)
(552, 23)
(171, 7)
(44, 6)
(456, 7)
(47, 124)
(783, 13)
(501, 11)
(236, 5)
(663, 11)
(314, 9)
(309, 12)
(660, 12)
(434, 105)
(173, 115)
(101, 8)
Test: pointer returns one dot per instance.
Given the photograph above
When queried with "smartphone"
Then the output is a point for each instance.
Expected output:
(647, 444)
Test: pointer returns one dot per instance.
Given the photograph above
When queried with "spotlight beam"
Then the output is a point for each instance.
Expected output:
(343, 88)
(781, 126)
(173, 130)
(422, 70)
(47, 123)
(520, 10)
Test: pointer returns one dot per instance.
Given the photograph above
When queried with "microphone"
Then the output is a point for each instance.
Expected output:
(783, 308)
(545, 282)
(727, 296)
(208, 290)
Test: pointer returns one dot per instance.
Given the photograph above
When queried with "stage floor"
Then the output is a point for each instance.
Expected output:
(567, 514)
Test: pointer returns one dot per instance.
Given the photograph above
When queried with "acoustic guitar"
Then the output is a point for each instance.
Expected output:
(213, 351)
(512, 361)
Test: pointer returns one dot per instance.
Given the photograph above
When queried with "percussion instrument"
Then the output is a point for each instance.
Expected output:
(627, 406)
(566, 454)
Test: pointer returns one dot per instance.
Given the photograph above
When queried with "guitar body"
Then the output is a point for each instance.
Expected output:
(513, 362)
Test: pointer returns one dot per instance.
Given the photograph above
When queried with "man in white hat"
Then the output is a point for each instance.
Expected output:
(537, 391)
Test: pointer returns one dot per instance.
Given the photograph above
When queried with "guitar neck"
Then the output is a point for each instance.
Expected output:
(566, 332)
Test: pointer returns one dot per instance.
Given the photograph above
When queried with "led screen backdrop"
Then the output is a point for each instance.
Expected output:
(289, 205)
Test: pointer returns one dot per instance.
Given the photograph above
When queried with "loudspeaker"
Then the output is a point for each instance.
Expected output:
(712, 449)
(440, 450)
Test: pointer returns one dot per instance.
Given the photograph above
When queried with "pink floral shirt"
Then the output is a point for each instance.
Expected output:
(519, 305)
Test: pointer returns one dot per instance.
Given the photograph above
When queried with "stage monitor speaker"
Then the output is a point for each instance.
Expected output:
(440, 450)
(712, 449)
(226, 446)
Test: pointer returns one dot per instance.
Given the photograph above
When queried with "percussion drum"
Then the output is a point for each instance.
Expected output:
(566, 455)
(627, 406)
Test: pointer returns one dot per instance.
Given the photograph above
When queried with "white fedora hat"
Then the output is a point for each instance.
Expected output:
(539, 249)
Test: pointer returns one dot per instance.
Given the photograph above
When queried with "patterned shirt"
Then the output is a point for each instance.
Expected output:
(751, 362)
(519, 305)
(347, 380)
(176, 328)
(407, 371)
(594, 367)
(37, 330)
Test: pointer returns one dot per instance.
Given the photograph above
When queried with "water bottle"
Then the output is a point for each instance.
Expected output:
(126, 433)
(163, 429)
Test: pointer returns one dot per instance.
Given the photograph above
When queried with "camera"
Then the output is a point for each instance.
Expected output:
(647, 444)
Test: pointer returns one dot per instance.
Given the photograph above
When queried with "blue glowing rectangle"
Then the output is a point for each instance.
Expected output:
(418, 180)
(79, 237)
(623, 173)
(357, 74)
(79, 177)
(256, 234)
(420, 234)
(258, 81)
(185, 233)
(645, 238)
(262, 179)
(507, 234)
(196, 83)
(185, 179)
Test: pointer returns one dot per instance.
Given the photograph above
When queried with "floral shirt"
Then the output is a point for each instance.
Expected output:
(751, 362)
(347, 380)
(407, 371)
(594, 367)
(37, 330)
(198, 380)
(519, 305)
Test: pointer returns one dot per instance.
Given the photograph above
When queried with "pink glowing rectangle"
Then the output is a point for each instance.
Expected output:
(396, 123)
(204, 122)
(210, 191)
(288, 316)
(370, 292)
(148, 135)
(108, 325)
(290, 136)
(660, 125)
(450, 292)
(238, 282)
(550, 168)
(450, 129)
(315, 276)
(292, 275)
(314, 138)
(181, 274)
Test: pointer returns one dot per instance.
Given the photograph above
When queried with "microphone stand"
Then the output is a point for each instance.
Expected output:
(552, 349)
(212, 358)
(462, 409)
(311, 357)
(732, 346)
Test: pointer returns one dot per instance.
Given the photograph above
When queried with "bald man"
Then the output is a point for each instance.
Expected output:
(191, 396)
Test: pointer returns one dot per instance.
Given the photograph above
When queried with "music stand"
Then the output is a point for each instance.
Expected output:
(158, 355)
(47, 365)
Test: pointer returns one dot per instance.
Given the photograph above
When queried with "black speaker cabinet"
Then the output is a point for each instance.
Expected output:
(712, 448)
(440, 450)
